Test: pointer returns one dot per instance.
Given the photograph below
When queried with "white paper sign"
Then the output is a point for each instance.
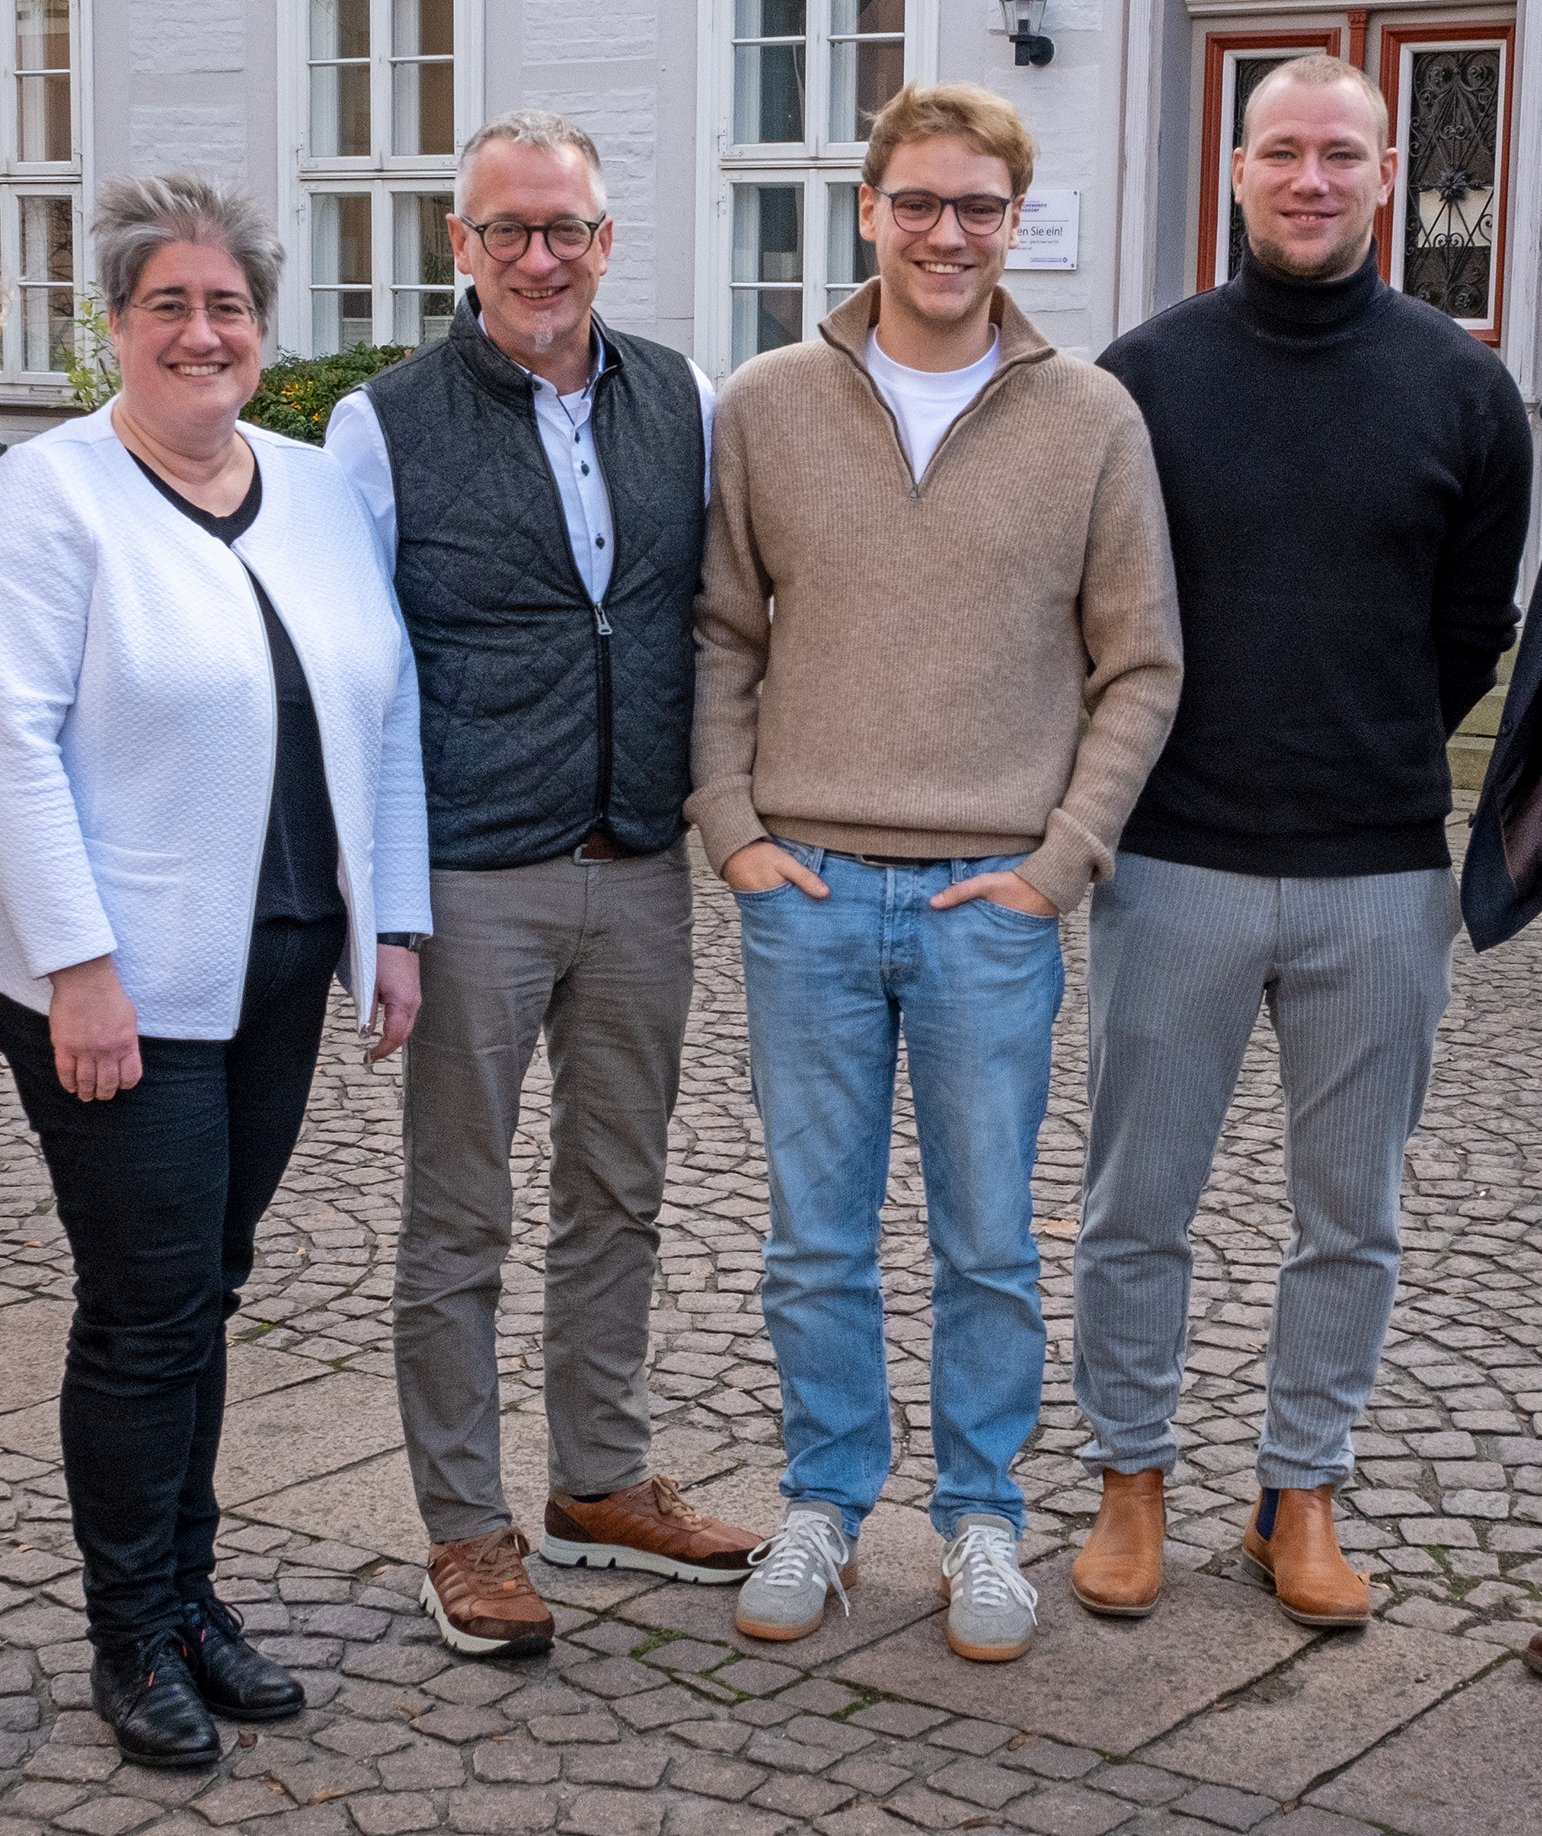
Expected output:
(1050, 231)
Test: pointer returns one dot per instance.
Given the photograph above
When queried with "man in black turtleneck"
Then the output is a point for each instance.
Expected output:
(1346, 475)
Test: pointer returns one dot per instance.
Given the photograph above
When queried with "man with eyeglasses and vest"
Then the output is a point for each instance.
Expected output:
(540, 481)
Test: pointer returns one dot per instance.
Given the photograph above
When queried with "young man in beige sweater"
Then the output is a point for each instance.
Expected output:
(963, 535)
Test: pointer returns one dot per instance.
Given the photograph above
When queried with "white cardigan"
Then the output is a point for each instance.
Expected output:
(138, 723)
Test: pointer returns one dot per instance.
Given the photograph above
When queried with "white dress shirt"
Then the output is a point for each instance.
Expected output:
(354, 435)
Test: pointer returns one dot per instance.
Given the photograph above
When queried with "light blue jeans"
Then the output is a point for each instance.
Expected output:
(830, 984)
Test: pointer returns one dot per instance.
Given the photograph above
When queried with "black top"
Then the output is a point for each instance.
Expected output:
(1346, 474)
(298, 878)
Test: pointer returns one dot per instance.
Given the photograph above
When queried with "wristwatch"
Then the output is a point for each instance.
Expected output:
(402, 940)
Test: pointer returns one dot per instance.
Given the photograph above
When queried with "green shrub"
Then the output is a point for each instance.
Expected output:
(297, 394)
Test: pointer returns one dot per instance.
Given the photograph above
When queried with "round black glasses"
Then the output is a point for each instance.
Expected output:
(566, 238)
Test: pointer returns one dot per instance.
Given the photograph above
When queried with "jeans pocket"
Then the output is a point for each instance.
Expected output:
(767, 892)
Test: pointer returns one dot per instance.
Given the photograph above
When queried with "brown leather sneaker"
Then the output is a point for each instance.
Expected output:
(1290, 1537)
(648, 1526)
(1531, 1657)
(481, 1599)
(1119, 1571)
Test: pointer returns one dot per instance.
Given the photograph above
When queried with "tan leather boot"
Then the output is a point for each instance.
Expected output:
(1290, 1536)
(1119, 1570)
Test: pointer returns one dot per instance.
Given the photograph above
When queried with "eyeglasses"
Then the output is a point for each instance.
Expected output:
(223, 315)
(980, 214)
(566, 238)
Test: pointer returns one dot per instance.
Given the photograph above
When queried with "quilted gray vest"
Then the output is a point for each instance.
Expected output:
(544, 715)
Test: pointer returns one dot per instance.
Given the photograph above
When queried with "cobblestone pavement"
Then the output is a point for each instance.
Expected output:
(651, 1715)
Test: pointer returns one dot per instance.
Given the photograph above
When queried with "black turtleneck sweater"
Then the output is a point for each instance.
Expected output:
(1347, 478)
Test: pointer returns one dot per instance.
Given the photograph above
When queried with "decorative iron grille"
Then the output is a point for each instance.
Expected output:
(1453, 151)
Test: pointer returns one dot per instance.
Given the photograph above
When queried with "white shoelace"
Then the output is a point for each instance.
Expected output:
(805, 1541)
(985, 1558)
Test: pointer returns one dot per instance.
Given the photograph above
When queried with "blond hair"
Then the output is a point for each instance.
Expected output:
(1317, 70)
(987, 121)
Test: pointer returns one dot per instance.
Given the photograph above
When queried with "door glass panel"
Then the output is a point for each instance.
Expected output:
(1453, 149)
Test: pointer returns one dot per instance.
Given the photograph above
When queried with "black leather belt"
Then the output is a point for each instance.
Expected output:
(886, 860)
(597, 846)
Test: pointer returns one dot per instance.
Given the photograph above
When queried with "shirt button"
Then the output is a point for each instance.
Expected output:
(584, 467)
(599, 541)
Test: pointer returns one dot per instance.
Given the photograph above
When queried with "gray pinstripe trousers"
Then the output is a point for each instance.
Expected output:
(1356, 973)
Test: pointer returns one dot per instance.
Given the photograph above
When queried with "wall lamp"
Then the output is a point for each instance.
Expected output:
(1025, 28)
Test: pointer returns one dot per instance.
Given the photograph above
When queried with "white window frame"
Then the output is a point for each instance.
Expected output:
(20, 179)
(382, 175)
(816, 164)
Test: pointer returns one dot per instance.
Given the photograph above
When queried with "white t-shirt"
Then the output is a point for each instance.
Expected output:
(927, 402)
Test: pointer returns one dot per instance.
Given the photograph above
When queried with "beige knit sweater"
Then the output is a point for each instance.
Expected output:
(919, 689)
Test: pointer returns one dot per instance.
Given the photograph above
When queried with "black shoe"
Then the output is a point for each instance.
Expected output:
(233, 1679)
(146, 1695)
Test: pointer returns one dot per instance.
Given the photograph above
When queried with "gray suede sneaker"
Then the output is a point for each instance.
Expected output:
(794, 1571)
(990, 1606)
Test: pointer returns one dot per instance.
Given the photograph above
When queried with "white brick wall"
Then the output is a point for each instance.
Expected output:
(184, 137)
(171, 37)
(578, 31)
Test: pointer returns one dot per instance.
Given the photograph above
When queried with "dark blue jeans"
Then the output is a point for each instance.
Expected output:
(159, 1192)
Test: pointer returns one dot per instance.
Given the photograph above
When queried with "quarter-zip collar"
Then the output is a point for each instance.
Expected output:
(1020, 345)
(847, 328)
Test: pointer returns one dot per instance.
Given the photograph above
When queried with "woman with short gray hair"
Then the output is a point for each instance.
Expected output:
(211, 796)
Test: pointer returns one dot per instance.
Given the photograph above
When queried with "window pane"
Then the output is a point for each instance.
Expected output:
(768, 93)
(42, 34)
(339, 28)
(423, 28)
(340, 111)
(340, 240)
(339, 320)
(765, 318)
(422, 318)
(866, 16)
(863, 76)
(423, 105)
(1453, 153)
(47, 240)
(47, 254)
(769, 18)
(768, 233)
(43, 117)
(47, 341)
(422, 256)
(851, 260)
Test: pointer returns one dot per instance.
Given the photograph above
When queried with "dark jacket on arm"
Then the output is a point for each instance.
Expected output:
(1502, 876)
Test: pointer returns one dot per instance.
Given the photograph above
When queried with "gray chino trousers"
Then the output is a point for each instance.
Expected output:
(599, 955)
(1356, 972)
